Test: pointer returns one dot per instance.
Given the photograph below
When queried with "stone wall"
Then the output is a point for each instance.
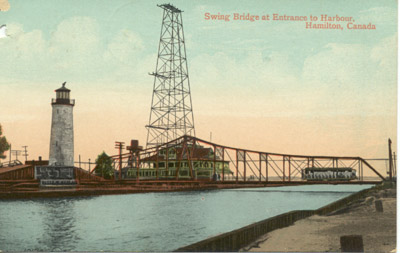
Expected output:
(55, 175)
(54, 172)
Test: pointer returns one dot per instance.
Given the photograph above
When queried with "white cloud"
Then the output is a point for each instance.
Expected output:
(378, 15)
(385, 54)
(21, 52)
(253, 71)
(338, 79)
(224, 85)
(353, 65)
(339, 64)
(74, 51)
(353, 78)
(124, 48)
(75, 48)
(342, 79)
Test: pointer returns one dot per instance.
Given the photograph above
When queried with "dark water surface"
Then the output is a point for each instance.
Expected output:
(150, 221)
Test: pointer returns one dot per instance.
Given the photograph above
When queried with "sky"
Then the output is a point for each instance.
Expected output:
(271, 86)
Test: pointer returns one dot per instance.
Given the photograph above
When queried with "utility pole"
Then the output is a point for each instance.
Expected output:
(394, 164)
(16, 153)
(25, 153)
(390, 160)
(120, 145)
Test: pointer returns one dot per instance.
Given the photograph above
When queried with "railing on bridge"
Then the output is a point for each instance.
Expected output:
(190, 158)
(81, 174)
(10, 163)
(16, 171)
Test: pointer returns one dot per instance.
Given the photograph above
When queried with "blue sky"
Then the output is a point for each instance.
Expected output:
(104, 21)
(261, 76)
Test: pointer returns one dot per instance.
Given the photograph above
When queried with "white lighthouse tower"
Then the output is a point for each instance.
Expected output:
(62, 129)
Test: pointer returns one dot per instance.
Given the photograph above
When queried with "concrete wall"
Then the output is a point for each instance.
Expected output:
(51, 172)
(233, 241)
(62, 136)
(237, 239)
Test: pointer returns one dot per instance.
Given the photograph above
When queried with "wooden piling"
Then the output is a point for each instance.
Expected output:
(351, 243)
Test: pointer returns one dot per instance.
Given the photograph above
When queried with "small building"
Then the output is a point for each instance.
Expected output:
(175, 163)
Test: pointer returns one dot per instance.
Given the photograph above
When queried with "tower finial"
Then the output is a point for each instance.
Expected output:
(63, 85)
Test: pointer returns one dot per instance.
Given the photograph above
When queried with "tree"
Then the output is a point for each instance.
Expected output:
(4, 145)
(104, 166)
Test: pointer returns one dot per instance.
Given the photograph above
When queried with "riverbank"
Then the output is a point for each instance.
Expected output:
(30, 188)
(26, 189)
(322, 233)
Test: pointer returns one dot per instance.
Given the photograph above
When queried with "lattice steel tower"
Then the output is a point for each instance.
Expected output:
(171, 114)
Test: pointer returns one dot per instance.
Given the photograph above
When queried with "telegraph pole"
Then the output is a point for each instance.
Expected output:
(25, 153)
(390, 160)
(16, 153)
(120, 145)
(394, 164)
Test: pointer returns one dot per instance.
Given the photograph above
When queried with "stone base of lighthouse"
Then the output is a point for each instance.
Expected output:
(53, 175)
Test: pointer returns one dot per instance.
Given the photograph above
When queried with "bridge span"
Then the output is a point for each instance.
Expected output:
(189, 163)
(191, 158)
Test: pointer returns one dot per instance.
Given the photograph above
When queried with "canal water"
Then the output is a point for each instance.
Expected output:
(150, 221)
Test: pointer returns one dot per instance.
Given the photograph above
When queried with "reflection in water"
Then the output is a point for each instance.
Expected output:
(58, 225)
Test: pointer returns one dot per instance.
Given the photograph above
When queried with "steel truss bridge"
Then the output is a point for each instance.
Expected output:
(245, 166)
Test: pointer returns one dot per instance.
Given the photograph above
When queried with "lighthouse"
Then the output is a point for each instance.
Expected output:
(62, 129)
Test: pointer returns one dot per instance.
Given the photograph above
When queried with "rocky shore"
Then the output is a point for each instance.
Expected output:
(322, 233)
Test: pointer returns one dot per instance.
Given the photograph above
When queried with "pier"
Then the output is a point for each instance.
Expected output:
(228, 168)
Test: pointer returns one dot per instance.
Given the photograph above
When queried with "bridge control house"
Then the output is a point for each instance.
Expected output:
(174, 163)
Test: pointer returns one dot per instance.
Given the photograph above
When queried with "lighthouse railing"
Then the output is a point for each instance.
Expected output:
(63, 101)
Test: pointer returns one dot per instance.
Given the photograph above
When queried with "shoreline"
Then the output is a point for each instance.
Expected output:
(85, 192)
(27, 189)
(117, 189)
(321, 233)
(251, 236)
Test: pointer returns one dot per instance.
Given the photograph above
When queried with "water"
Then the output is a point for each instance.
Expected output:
(151, 221)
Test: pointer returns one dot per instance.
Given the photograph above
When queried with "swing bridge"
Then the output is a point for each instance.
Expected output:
(182, 158)
(183, 164)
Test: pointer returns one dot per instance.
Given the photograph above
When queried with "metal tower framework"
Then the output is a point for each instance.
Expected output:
(171, 114)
